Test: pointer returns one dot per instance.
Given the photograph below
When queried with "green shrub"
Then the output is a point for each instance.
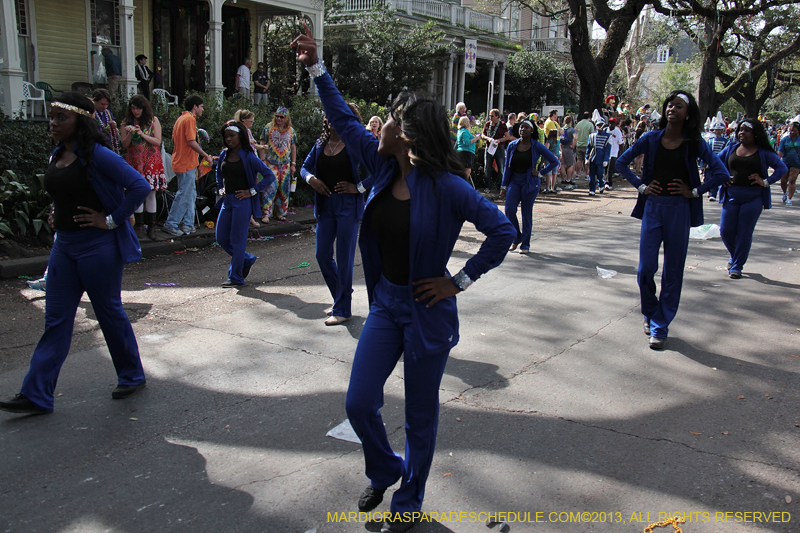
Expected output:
(24, 208)
(25, 147)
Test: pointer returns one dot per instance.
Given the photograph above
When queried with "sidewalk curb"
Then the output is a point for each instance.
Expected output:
(35, 266)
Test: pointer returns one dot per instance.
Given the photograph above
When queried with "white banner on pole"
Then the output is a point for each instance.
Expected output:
(470, 55)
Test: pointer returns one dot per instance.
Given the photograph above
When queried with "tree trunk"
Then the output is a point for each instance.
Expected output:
(707, 91)
(594, 70)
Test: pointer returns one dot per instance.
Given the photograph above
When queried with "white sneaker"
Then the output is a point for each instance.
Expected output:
(38, 284)
(607, 187)
(712, 199)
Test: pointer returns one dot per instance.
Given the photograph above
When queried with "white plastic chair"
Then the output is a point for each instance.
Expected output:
(165, 97)
(32, 95)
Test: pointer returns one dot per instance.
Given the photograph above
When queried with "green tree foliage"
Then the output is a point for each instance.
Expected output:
(675, 76)
(376, 57)
(534, 79)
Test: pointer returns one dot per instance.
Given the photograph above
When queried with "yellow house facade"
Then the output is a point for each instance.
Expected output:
(191, 45)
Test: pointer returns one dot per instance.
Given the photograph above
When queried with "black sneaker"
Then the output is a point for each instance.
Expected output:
(370, 499)
(20, 404)
(123, 391)
(658, 343)
(228, 284)
(246, 268)
(647, 326)
(398, 526)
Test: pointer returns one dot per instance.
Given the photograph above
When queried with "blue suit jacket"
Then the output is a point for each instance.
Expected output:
(439, 207)
(769, 159)
(310, 168)
(716, 173)
(537, 150)
(120, 189)
(253, 166)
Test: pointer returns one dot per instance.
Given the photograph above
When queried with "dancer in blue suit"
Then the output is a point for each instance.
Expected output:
(412, 219)
(521, 180)
(669, 204)
(94, 193)
(748, 162)
(598, 154)
(332, 171)
(237, 170)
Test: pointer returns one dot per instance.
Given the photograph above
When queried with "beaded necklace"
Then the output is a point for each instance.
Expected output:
(104, 119)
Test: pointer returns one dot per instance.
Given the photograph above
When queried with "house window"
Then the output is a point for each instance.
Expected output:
(22, 18)
(662, 55)
(105, 22)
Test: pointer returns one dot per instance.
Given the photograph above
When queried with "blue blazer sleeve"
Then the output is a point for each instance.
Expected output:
(490, 221)
(310, 164)
(774, 162)
(623, 162)
(111, 168)
(716, 174)
(218, 170)
(259, 167)
(547, 154)
(355, 136)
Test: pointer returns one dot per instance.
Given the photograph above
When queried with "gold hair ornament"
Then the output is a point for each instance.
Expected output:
(72, 108)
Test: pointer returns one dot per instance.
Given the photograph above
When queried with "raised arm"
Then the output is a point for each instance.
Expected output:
(356, 138)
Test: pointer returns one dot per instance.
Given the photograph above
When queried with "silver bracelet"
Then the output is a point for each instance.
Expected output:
(695, 194)
(317, 69)
(462, 280)
(110, 222)
(253, 192)
(642, 188)
(361, 188)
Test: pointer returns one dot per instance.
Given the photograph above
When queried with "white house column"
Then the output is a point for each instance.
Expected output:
(260, 41)
(316, 18)
(462, 67)
(11, 75)
(490, 99)
(215, 27)
(126, 53)
(502, 92)
(448, 84)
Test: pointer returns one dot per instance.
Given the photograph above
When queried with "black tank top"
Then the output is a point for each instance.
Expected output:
(70, 187)
(669, 166)
(742, 167)
(332, 169)
(391, 223)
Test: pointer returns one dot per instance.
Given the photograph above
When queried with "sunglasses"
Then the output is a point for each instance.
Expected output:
(280, 116)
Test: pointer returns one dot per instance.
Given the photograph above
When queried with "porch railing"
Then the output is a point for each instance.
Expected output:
(436, 9)
(552, 44)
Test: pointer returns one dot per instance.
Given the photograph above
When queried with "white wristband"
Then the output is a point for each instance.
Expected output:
(110, 222)
(308, 178)
(253, 192)
(695, 193)
(361, 188)
(462, 280)
(317, 69)
(642, 188)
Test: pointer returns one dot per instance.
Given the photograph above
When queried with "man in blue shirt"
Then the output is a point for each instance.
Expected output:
(113, 71)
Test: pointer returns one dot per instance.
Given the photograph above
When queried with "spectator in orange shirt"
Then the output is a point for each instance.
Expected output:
(184, 164)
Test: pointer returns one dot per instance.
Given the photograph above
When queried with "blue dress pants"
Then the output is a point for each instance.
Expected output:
(232, 226)
(387, 331)
(666, 219)
(338, 221)
(87, 260)
(182, 209)
(740, 212)
(522, 189)
(596, 172)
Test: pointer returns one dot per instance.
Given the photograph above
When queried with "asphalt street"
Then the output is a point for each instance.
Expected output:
(553, 408)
